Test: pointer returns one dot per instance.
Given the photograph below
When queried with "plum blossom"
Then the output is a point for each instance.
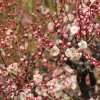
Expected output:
(27, 90)
(57, 72)
(44, 38)
(82, 44)
(74, 30)
(66, 97)
(73, 78)
(58, 94)
(54, 85)
(53, 82)
(64, 19)
(73, 86)
(37, 78)
(13, 68)
(54, 51)
(41, 90)
(92, 1)
(44, 10)
(50, 26)
(2, 51)
(76, 58)
(8, 41)
(8, 32)
(66, 7)
(85, 1)
(85, 8)
(30, 95)
(63, 85)
(70, 52)
(22, 96)
(57, 88)
(71, 17)
(68, 69)
(29, 36)
(66, 28)
(26, 45)
(73, 54)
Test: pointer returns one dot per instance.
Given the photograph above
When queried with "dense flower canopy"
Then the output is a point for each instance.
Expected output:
(49, 49)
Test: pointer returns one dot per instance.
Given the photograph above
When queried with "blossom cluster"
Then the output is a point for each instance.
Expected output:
(38, 39)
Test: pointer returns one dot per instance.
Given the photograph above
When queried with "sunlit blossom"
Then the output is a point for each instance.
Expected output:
(46, 47)
(54, 51)
(41, 90)
(73, 54)
(66, 7)
(74, 30)
(13, 68)
(8, 32)
(92, 1)
(22, 96)
(82, 44)
(71, 17)
(37, 78)
(50, 26)
(58, 94)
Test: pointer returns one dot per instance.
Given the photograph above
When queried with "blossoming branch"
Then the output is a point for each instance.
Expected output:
(49, 49)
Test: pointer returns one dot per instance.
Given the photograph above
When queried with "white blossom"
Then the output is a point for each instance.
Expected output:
(82, 44)
(64, 19)
(73, 86)
(66, 7)
(57, 88)
(63, 85)
(53, 82)
(74, 30)
(66, 97)
(73, 54)
(44, 10)
(29, 36)
(26, 45)
(22, 96)
(8, 41)
(8, 32)
(2, 51)
(30, 95)
(58, 94)
(57, 72)
(66, 28)
(50, 26)
(27, 90)
(73, 78)
(84, 8)
(13, 68)
(77, 57)
(41, 90)
(86, 1)
(92, 1)
(71, 17)
(68, 69)
(54, 51)
(70, 52)
(37, 78)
